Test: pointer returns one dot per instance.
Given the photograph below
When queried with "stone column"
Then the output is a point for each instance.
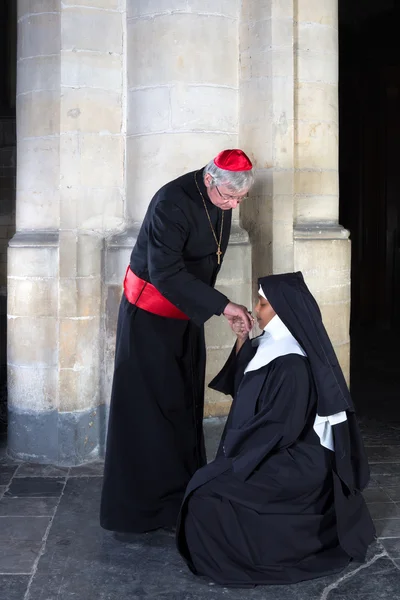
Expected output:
(70, 192)
(289, 117)
(182, 109)
(321, 245)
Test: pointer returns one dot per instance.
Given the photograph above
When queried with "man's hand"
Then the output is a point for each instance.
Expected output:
(234, 312)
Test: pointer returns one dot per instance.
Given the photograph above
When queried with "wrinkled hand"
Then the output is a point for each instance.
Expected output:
(238, 327)
(236, 312)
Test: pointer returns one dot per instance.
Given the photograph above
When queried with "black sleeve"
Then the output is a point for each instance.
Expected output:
(285, 407)
(228, 379)
(168, 233)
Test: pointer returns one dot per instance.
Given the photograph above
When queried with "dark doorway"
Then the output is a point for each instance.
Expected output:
(369, 101)
(8, 29)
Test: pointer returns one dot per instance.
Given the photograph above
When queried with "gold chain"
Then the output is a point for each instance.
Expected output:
(218, 252)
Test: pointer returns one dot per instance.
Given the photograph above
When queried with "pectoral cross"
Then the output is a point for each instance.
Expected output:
(219, 254)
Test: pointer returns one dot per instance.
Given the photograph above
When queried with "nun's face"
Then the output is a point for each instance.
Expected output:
(264, 312)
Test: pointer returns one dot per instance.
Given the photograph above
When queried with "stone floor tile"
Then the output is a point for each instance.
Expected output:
(6, 473)
(392, 547)
(377, 580)
(385, 468)
(387, 527)
(28, 507)
(33, 470)
(95, 469)
(18, 556)
(13, 587)
(383, 453)
(39, 487)
(393, 492)
(384, 510)
(2, 490)
(375, 495)
(23, 528)
(388, 480)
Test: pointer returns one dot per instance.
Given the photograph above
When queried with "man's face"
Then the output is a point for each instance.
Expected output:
(222, 196)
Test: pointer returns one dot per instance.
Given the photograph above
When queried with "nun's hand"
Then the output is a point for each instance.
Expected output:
(240, 312)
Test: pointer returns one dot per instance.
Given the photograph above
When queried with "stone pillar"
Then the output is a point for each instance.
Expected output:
(70, 193)
(182, 109)
(289, 116)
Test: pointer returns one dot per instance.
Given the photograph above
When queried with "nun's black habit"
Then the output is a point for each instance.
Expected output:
(276, 506)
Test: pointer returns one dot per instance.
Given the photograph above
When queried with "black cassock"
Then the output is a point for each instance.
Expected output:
(276, 507)
(155, 437)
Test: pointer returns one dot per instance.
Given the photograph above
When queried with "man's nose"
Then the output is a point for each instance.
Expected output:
(234, 203)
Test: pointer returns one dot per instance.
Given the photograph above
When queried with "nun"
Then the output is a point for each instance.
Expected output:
(282, 501)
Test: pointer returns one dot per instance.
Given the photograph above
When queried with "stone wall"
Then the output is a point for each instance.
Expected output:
(7, 230)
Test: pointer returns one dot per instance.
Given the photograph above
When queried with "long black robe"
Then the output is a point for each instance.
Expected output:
(155, 436)
(276, 507)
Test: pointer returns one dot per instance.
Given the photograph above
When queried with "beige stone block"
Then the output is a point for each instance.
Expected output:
(38, 209)
(39, 73)
(39, 35)
(79, 343)
(102, 161)
(96, 209)
(328, 279)
(70, 145)
(321, 39)
(104, 4)
(80, 255)
(256, 10)
(336, 318)
(317, 182)
(204, 108)
(215, 404)
(91, 70)
(277, 62)
(149, 110)
(39, 114)
(317, 101)
(161, 158)
(38, 164)
(316, 67)
(28, 7)
(32, 297)
(32, 389)
(283, 135)
(336, 254)
(321, 12)
(261, 36)
(316, 209)
(147, 8)
(176, 47)
(33, 262)
(316, 145)
(236, 266)
(32, 341)
(258, 136)
(218, 333)
(282, 247)
(91, 111)
(102, 30)
(80, 297)
(79, 389)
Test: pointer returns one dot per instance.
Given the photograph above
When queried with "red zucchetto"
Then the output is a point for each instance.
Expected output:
(233, 160)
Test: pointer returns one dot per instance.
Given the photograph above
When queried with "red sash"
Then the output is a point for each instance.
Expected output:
(147, 297)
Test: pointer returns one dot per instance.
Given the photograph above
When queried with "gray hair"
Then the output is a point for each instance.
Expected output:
(234, 180)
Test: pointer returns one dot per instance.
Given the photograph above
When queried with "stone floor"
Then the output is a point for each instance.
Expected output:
(52, 548)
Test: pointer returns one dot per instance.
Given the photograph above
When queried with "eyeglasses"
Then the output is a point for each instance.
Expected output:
(230, 197)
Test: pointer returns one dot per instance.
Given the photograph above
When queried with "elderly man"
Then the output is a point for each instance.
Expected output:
(155, 434)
